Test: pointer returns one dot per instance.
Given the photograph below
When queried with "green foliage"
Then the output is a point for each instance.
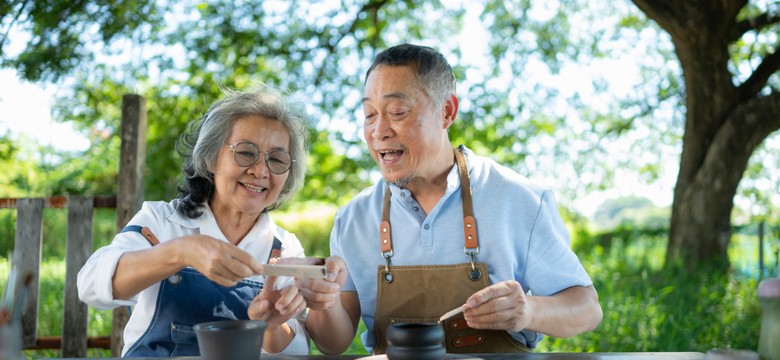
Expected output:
(311, 223)
(632, 212)
(63, 33)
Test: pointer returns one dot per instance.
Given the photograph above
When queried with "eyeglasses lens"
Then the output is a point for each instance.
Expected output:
(246, 154)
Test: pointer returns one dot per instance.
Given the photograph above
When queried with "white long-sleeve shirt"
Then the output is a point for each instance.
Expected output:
(95, 277)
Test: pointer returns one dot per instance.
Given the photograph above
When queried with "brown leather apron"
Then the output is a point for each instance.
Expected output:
(423, 293)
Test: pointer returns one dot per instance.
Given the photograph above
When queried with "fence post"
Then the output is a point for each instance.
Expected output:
(132, 158)
(78, 246)
(761, 249)
(27, 260)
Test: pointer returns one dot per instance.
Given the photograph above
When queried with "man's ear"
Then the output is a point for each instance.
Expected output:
(450, 110)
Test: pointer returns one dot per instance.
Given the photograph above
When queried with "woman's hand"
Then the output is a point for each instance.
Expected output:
(276, 306)
(219, 261)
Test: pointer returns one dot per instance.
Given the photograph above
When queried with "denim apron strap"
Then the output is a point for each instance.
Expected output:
(187, 298)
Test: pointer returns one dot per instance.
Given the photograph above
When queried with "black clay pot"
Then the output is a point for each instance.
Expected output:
(415, 341)
(230, 339)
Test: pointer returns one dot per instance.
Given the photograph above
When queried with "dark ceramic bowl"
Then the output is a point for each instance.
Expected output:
(415, 334)
(230, 339)
(415, 341)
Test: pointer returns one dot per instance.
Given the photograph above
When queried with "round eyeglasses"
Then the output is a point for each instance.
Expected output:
(247, 154)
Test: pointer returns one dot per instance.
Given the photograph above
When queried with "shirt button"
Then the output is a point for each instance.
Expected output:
(427, 226)
(416, 208)
(403, 194)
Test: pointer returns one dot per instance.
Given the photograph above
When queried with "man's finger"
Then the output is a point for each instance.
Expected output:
(488, 293)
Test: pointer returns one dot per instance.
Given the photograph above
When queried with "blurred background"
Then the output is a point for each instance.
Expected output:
(658, 139)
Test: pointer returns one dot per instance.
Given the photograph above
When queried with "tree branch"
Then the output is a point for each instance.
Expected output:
(751, 123)
(372, 6)
(754, 23)
(664, 12)
(4, 39)
(769, 65)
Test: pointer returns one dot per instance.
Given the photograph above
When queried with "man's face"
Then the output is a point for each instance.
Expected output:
(403, 128)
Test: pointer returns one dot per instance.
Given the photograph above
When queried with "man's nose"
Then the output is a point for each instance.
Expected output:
(381, 129)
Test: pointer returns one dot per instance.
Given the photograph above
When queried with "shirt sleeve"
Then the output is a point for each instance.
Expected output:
(299, 345)
(551, 265)
(336, 250)
(94, 282)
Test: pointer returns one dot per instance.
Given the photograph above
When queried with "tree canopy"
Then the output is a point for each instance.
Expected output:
(569, 92)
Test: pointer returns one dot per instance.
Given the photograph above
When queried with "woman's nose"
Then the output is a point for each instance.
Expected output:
(259, 169)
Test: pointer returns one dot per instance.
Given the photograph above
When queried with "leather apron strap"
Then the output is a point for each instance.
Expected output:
(423, 293)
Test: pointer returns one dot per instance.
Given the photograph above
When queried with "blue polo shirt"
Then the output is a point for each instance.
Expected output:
(521, 236)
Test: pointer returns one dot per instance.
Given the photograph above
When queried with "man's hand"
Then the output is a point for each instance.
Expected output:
(501, 306)
(321, 294)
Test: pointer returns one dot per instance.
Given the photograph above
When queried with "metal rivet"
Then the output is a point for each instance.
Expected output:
(454, 325)
(384, 229)
(474, 275)
(457, 342)
(468, 225)
(384, 241)
(470, 237)
(479, 338)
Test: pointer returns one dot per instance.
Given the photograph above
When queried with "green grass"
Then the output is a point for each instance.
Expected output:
(646, 308)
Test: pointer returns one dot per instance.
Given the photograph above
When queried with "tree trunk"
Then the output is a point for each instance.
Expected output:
(724, 124)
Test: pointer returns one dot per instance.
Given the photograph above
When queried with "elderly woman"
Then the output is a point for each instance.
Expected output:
(196, 259)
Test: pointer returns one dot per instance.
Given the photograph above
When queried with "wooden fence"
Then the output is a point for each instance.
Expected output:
(29, 235)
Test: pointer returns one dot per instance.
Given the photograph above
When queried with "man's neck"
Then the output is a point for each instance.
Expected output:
(429, 190)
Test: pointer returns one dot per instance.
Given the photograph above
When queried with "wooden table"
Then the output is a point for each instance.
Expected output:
(530, 356)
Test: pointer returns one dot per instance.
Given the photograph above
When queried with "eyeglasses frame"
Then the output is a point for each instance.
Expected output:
(265, 158)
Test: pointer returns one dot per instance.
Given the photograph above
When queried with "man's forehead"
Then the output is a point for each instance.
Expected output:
(392, 83)
(390, 96)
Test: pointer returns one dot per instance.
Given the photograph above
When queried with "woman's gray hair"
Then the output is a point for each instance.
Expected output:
(201, 144)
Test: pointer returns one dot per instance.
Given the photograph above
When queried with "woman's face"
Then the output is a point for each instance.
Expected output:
(249, 190)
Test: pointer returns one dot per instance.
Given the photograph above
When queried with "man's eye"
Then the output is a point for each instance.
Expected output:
(246, 154)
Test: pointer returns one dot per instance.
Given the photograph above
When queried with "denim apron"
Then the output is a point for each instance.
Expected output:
(187, 298)
(422, 293)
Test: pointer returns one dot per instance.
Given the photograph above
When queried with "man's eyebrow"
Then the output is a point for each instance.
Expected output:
(392, 95)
